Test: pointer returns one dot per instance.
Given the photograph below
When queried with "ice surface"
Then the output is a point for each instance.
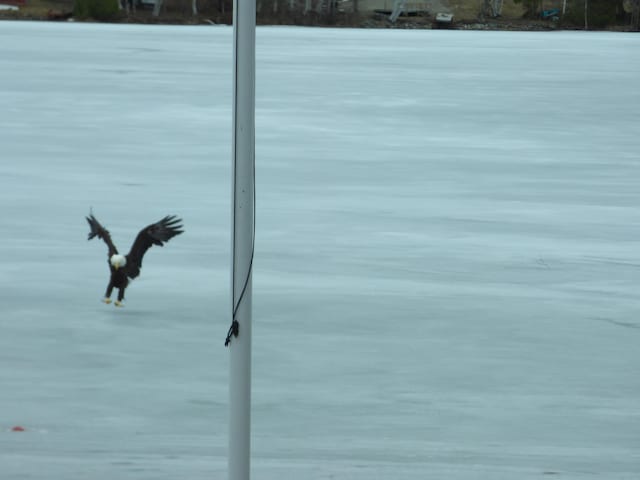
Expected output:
(447, 264)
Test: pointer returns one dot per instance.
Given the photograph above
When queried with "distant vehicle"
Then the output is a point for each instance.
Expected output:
(144, 3)
(552, 13)
(444, 20)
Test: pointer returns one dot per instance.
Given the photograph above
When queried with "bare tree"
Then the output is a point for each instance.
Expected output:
(494, 7)
(156, 7)
(586, 12)
(635, 15)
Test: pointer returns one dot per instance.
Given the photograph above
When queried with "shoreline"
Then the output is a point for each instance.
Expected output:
(363, 21)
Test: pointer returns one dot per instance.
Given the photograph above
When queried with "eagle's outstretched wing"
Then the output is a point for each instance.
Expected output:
(99, 231)
(154, 234)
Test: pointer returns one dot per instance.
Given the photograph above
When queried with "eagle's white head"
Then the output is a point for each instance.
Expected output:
(118, 261)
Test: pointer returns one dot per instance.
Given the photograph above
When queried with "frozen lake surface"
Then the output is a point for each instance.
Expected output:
(447, 261)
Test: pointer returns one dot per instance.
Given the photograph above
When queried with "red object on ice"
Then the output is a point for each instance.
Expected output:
(17, 428)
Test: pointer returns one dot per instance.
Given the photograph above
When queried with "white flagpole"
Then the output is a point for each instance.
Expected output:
(243, 235)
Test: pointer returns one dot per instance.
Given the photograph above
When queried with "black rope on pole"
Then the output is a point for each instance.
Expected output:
(234, 329)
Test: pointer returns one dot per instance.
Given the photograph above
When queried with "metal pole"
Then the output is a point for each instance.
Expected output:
(243, 225)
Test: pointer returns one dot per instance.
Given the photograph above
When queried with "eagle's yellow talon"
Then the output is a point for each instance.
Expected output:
(106, 300)
(118, 304)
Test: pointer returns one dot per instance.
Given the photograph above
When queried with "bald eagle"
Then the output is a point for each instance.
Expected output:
(125, 267)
